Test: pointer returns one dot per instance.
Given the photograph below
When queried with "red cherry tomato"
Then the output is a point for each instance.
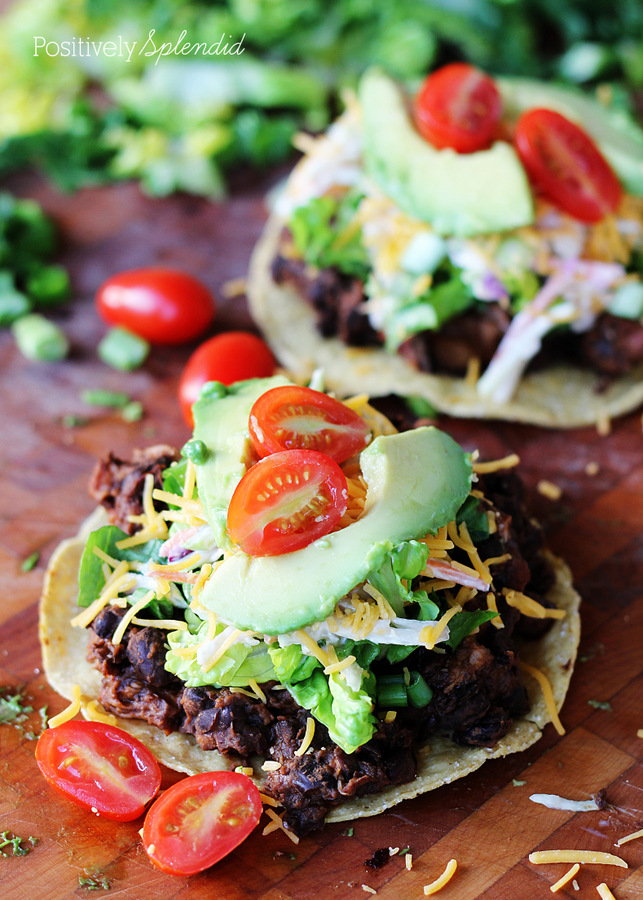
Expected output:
(161, 305)
(286, 501)
(99, 767)
(566, 165)
(229, 357)
(199, 820)
(298, 418)
(458, 106)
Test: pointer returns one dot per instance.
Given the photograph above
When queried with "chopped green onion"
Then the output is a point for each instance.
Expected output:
(48, 285)
(391, 691)
(123, 350)
(30, 562)
(12, 307)
(72, 421)
(39, 339)
(421, 407)
(197, 451)
(418, 691)
(99, 397)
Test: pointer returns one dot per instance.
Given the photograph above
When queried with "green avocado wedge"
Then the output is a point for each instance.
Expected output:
(618, 136)
(417, 481)
(458, 194)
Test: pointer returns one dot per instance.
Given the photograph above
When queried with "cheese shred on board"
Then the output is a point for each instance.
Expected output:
(444, 879)
(72, 710)
(565, 879)
(591, 857)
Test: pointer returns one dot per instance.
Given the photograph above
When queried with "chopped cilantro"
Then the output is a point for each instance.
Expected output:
(71, 421)
(517, 783)
(94, 882)
(347, 832)
(19, 846)
(30, 562)
(12, 707)
(601, 704)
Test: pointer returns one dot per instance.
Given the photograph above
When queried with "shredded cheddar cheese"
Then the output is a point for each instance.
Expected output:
(96, 713)
(604, 892)
(313, 647)
(548, 696)
(430, 633)
(276, 823)
(507, 462)
(120, 580)
(339, 665)
(530, 607)
(129, 615)
(229, 641)
(630, 837)
(165, 624)
(408, 861)
(265, 799)
(493, 607)
(444, 879)
(70, 711)
(259, 694)
(567, 877)
(271, 765)
(549, 489)
(390, 716)
(308, 737)
(589, 857)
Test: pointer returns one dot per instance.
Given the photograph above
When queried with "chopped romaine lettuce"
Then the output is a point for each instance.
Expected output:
(236, 667)
(325, 234)
(91, 577)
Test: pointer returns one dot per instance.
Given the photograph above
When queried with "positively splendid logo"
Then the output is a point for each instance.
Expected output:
(126, 49)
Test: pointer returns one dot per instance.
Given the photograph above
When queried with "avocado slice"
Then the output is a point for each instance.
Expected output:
(221, 422)
(617, 135)
(416, 480)
(457, 193)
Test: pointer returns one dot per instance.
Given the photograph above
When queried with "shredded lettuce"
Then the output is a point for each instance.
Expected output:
(406, 561)
(474, 515)
(324, 234)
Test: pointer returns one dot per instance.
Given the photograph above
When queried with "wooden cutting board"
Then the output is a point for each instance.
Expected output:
(485, 821)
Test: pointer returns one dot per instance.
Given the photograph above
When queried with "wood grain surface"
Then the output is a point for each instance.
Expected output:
(485, 821)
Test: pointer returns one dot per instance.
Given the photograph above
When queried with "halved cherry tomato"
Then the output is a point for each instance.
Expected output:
(99, 767)
(298, 418)
(199, 820)
(228, 357)
(164, 306)
(566, 165)
(458, 106)
(286, 501)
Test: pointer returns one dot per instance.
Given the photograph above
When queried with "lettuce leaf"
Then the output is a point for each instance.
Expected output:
(91, 578)
(465, 622)
(406, 561)
(323, 233)
(235, 668)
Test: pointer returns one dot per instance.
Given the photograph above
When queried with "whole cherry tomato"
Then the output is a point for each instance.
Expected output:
(228, 357)
(164, 306)
(458, 106)
(565, 163)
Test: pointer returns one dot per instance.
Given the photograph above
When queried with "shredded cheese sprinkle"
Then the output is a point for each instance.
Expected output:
(129, 615)
(339, 665)
(368, 890)
(165, 624)
(408, 861)
(630, 837)
(473, 371)
(548, 696)
(277, 823)
(549, 489)
(590, 857)
(119, 580)
(507, 462)
(96, 713)
(604, 892)
(308, 737)
(390, 716)
(70, 711)
(567, 877)
(259, 694)
(444, 879)
(229, 641)
(265, 799)
(271, 765)
(493, 606)
(313, 647)
(530, 607)
(430, 633)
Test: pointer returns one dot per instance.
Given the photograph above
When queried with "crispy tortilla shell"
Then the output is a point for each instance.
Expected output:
(562, 396)
(64, 651)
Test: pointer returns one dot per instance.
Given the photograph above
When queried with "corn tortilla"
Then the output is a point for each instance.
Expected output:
(64, 651)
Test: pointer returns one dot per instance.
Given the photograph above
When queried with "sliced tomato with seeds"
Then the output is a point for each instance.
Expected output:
(298, 418)
(566, 165)
(286, 501)
(199, 820)
(99, 767)
(458, 106)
